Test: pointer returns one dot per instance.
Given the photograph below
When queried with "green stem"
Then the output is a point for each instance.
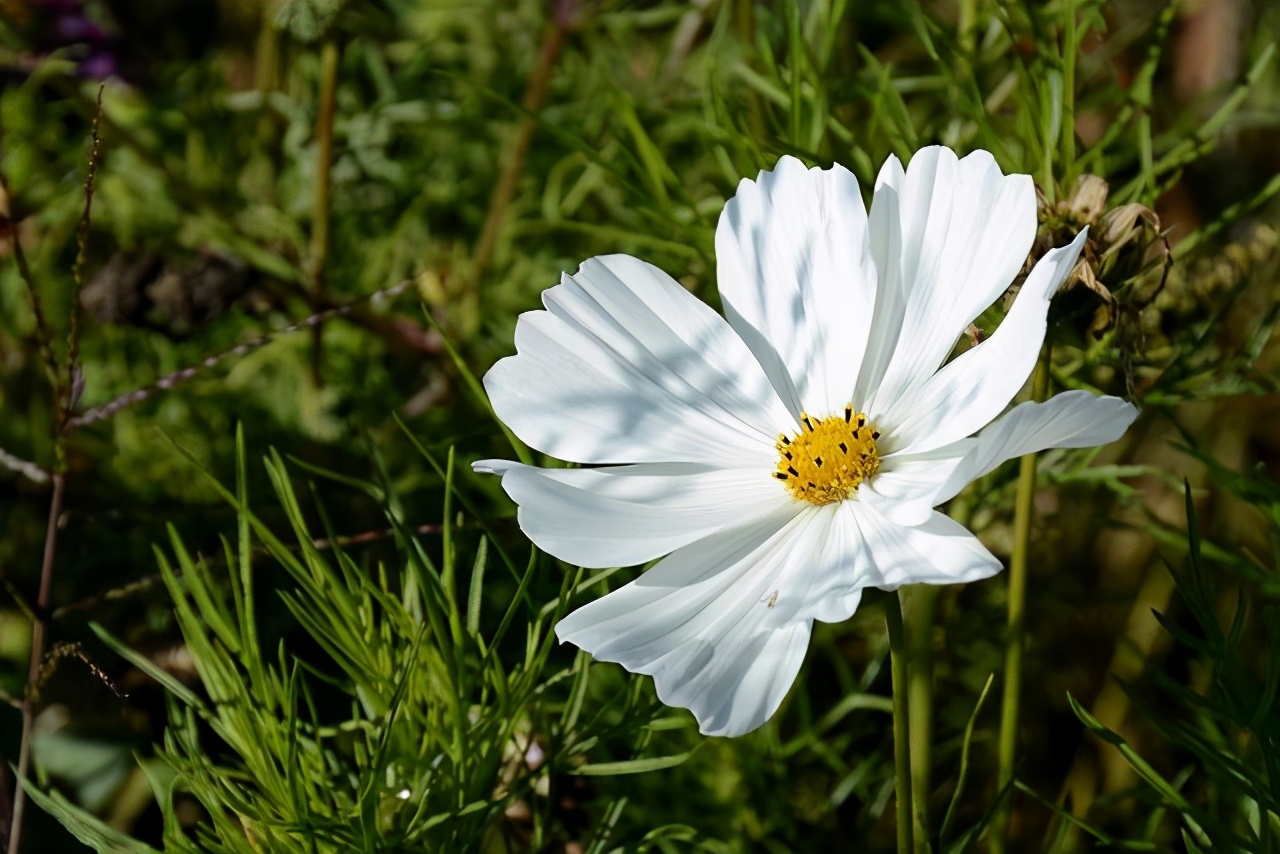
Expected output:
(1017, 601)
(901, 724)
(920, 605)
(1048, 184)
(794, 53)
(965, 27)
(920, 602)
(1070, 47)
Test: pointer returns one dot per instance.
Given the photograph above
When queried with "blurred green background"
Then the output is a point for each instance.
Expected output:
(414, 173)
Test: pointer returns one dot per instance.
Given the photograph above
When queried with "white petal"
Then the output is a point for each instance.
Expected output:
(722, 624)
(681, 595)
(742, 681)
(973, 388)
(1073, 419)
(885, 236)
(825, 579)
(836, 576)
(623, 515)
(949, 238)
(905, 489)
(627, 366)
(797, 280)
(939, 551)
(697, 622)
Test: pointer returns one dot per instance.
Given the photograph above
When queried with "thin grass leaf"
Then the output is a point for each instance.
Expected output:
(973, 833)
(475, 594)
(1096, 832)
(83, 825)
(963, 775)
(631, 766)
(147, 666)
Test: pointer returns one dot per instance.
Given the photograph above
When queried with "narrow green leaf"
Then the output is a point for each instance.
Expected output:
(1092, 723)
(1095, 832)
(631, 766)
(577, 693)
(475, 594)
(656, 169)
(364, 486)
(964, 759)
(84, 825)
(212, 611)
(447, 567)
(472, 382)
(163, 779)
(972, 834)
(462, 500)
(147, 666)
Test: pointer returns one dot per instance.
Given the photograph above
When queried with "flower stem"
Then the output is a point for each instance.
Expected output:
(965, 27)
(38, 628)
(1070, 48)
(919, 602)
(319, 252)
(901, 724)
(793, 57)
(1017, 600)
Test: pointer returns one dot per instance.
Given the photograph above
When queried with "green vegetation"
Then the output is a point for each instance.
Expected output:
(279, 613)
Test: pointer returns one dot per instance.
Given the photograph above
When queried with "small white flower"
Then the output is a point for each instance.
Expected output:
(788, 458)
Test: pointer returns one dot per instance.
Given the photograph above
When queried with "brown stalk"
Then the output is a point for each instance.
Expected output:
(38, 627)
(329, 56)
(31, 471)
(82, 248)
(63, 390)
(111, 407)
(535, 95)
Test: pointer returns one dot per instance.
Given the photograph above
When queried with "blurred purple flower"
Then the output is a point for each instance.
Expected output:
(63, 25)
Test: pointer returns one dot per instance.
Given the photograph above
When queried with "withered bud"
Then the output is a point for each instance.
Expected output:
(1126, 223)
(1088, 200)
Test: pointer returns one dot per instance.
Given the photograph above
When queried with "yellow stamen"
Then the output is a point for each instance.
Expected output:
(829, 457)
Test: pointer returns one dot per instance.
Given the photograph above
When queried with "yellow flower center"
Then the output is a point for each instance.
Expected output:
(828, 458)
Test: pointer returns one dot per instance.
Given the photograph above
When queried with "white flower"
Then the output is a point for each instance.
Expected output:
(788, 458)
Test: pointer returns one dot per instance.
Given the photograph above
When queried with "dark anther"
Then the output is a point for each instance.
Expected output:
(817, 461)
(875, 434)
(780, 475)
(793, 471)
(844, 449)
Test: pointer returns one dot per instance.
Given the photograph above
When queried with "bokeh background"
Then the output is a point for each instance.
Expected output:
(319, 220)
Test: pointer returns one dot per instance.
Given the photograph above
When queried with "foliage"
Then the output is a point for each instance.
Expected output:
(355, 652)
(1226, 721)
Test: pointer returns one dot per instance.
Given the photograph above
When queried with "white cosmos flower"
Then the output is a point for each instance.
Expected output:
(786, 459)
